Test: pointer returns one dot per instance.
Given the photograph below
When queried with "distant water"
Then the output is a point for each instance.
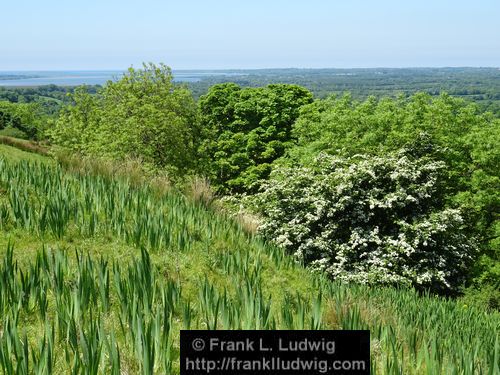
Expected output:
(75, 78)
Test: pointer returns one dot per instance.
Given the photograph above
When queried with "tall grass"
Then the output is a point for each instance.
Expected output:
(65, 313)
(47, 201)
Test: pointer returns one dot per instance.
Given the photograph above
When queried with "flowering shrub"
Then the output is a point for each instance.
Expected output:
(369, 219)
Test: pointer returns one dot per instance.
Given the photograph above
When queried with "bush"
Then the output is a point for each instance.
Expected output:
(487, 296)
(369, 219)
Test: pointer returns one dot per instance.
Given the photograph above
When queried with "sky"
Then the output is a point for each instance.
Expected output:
(245, 34)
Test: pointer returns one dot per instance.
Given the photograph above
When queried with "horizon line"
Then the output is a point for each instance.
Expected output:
(257, 69)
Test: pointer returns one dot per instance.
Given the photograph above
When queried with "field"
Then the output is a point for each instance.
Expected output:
(99, 274)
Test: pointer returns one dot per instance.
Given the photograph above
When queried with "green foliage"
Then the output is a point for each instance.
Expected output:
(344, 126)
(20, 119)
(374, 220)
(245, 130)
(77, 125)
(143, 115)
(13, 133)
(49, 98)
(446, 128)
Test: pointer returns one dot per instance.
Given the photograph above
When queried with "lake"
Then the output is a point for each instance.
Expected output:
(75, 78)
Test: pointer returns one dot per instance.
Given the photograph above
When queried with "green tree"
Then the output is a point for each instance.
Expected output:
(142, 115)
(25, 118)
(245, 130)
(77, 125)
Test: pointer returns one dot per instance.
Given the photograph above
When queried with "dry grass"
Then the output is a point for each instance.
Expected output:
(130, 169)
(28, 146)
(234, 206)
(248, 222)
(160, 185)
(198, 190)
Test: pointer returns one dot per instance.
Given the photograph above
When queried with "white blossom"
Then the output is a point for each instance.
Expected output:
(369, 220)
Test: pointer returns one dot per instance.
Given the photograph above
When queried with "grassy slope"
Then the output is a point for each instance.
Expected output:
(212, 259)
(15, 154)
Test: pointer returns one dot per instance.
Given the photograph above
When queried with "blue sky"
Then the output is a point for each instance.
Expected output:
(212, 34)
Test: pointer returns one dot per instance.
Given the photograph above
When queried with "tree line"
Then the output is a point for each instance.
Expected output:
(393, 190)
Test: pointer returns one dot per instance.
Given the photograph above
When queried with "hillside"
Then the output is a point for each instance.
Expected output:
(99, 275)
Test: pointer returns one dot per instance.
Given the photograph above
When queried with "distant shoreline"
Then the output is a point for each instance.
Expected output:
(76, 78)
(13, 77)
(72, 78)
